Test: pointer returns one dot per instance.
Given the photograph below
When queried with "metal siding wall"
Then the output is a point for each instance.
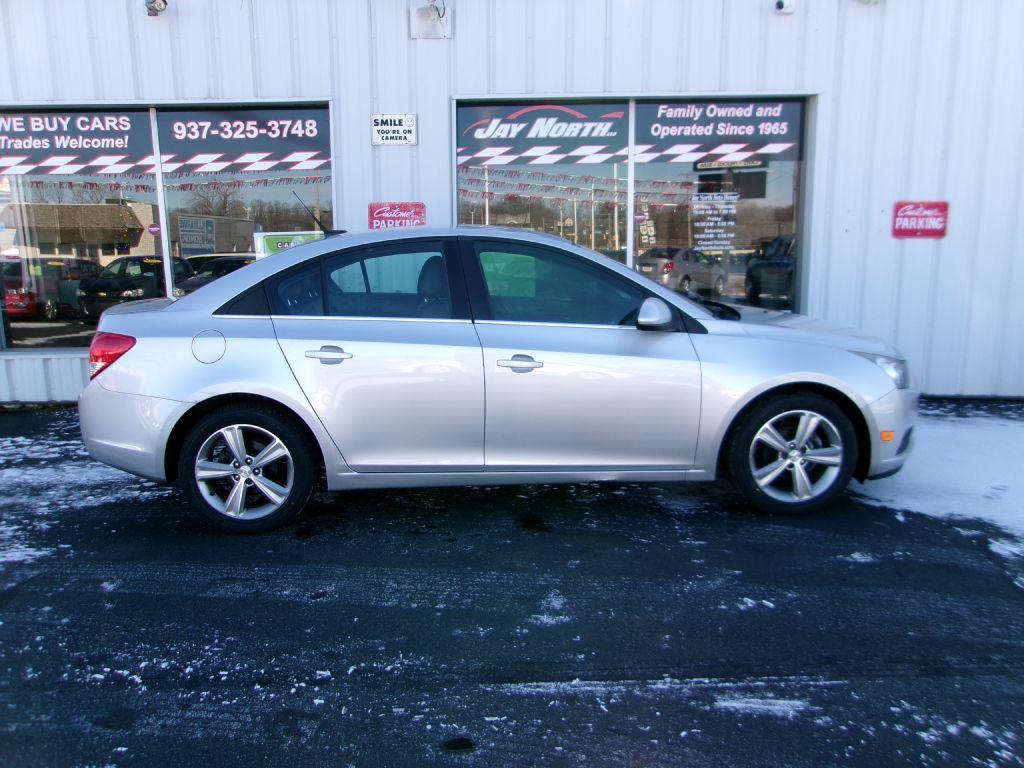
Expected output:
(915, 99)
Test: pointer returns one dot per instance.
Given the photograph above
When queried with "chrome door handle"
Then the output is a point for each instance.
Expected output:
(329, 355)
(520, 363)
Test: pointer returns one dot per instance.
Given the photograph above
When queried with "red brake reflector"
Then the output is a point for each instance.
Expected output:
(105, 349)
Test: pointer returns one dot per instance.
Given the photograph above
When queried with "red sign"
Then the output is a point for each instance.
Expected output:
(920, 219)
(389, 215)
(153, 229)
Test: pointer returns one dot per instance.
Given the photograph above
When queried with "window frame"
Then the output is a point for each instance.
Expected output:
(480, 296)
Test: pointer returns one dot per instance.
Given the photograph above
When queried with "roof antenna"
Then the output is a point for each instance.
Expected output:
(327, 232)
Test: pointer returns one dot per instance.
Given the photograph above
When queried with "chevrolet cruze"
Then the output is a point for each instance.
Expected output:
(479, 356)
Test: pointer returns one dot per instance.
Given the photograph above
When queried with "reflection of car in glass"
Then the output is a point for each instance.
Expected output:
(44, 287)
(683, 269)
(770, 272)
(126, 279)
(215, 268)
(479, 356)
(618, 254)
(19, 299)
(198, 262)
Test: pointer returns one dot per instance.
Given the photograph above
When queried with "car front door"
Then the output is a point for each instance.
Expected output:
(381, 341)
(572, 384)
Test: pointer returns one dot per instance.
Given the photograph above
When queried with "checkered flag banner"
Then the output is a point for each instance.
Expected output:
(642, 153)
(208, 162)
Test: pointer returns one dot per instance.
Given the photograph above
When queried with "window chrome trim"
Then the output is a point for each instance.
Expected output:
(557, 325)
(366, 319)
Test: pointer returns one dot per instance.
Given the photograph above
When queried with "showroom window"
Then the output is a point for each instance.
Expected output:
(715, 186)
(81, 227)
(558, 168)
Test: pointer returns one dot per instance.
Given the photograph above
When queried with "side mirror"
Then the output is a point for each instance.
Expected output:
(655, 315)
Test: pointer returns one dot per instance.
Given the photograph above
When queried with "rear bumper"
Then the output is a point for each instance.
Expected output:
(127, 431)
(896, 412)
(20, 308)
(93, 307)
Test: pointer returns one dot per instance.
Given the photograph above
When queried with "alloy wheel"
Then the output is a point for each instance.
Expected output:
(796, 456)
(244, 471)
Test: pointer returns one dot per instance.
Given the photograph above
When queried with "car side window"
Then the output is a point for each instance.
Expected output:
(541, 285)
(400, 280)
(297, 292)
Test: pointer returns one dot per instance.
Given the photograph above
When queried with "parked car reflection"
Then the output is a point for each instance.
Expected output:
(127, 279)
(215, 268)
(769, 276)
(684, 270)
(44, 288)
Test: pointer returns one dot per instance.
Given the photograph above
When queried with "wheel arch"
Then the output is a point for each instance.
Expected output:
(841, 399)
(178, 434)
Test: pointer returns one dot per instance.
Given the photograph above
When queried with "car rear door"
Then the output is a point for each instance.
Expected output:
(572, 384)
(381, 341)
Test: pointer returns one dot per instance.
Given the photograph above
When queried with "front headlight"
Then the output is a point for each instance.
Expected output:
(133, 293)
(894, 368)
(177, 292)
(79, 293)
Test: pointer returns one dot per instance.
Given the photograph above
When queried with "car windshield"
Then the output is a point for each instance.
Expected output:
(10, 269)
(113, 269)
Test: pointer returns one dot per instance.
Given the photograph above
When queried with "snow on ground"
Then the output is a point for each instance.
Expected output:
(960, 468)
(753, 705)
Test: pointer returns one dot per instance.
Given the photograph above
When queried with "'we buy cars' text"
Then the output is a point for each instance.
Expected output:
(59, 126)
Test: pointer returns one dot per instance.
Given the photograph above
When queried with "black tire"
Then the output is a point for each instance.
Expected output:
(740, 454)
(305, 466)
(684, 284)
(719, 286)
(51, 310)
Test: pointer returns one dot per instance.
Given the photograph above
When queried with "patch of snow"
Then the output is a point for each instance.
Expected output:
(14, 547)
(959, 468)
(751, 705)
(1007, 548)
(857, 557)
(547, 620)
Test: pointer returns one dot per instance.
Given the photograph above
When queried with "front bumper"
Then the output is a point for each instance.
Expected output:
(896, 412)
(127, 431)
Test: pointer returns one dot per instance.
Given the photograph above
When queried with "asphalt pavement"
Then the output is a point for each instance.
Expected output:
(559, 625)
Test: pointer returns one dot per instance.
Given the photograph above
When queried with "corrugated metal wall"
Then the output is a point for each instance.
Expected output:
(914, 99)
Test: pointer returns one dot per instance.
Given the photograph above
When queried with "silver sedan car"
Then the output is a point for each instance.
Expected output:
(479, 356)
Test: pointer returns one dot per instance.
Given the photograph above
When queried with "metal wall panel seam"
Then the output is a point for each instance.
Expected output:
(900, 246)
(974, 220)
(933, 279)
(869, 162)
(131, 7)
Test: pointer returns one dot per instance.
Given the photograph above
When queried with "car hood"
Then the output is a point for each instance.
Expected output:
(786, 326)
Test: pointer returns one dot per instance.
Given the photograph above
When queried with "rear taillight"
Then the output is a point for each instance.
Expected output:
(105, 349)
(669, 266)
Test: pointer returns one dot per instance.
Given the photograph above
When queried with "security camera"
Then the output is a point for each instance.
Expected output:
(155, 7)
(785, 6)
